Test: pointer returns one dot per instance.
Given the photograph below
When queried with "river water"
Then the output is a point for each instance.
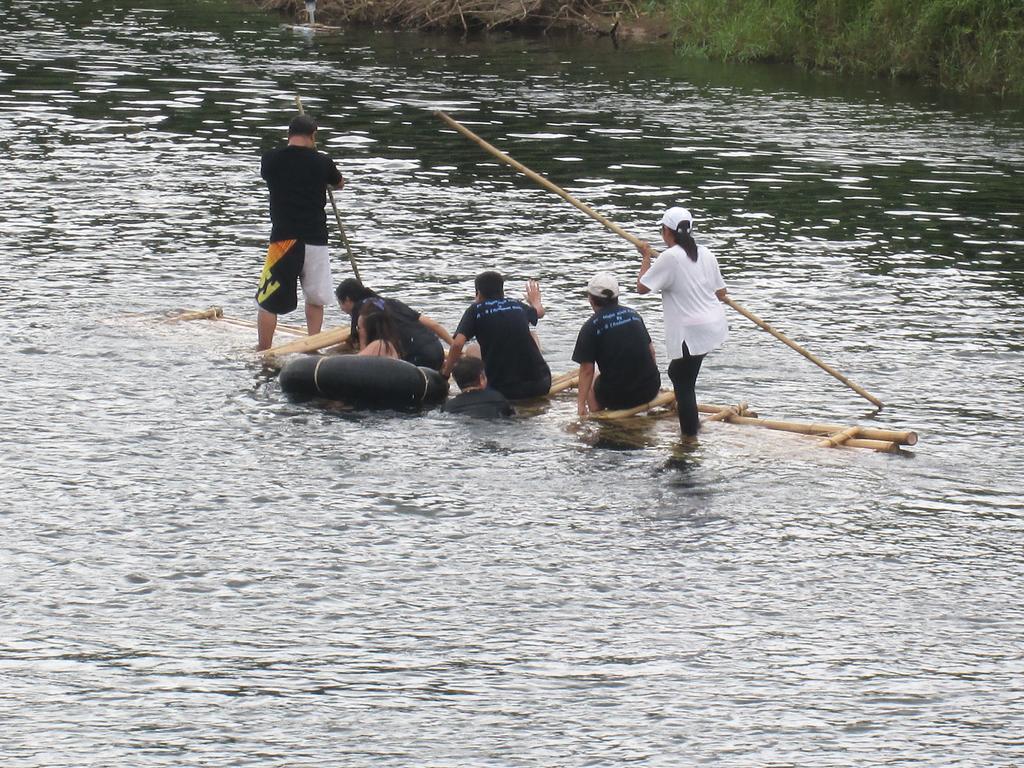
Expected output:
(197, 571)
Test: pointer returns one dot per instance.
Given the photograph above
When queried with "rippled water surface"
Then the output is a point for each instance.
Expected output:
(197, 571)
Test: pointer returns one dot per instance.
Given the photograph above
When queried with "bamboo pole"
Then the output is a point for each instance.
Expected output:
(569, 379)
(887, 440)
(882, 446)
(810, 356)
(288, 329)
(213, 313)
(727, 413)
(564, 382)
(708, 408)
(309, 344)
(573, 374)
(664, 398)
(839, 437)
(613, 227)
(608, 223)
(337, 216)
(217, 314)
(869, 433)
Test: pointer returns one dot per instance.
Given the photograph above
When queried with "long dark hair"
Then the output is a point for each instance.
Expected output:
(377, 323)
(684, 238)
(350, 288)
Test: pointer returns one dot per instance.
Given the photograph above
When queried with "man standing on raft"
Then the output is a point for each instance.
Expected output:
(297, 176)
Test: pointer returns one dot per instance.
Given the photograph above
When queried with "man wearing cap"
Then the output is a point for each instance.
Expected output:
(297, 176)
(513, 362)
(615, 341)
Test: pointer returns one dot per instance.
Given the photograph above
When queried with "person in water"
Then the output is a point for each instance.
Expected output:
(378, 336)
(513, 362)
(475, 397)
(297, 177)
(420, 335)
(615, 341)
(692, 291)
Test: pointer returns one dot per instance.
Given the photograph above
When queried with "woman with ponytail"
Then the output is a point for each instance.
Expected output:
(420, 335)
(692, 289)
(377, 334)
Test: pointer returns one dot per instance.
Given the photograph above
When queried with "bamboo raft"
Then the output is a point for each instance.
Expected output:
(835, 435)
(217, 314)
(318, 341)
(830, 435)
(323, 340)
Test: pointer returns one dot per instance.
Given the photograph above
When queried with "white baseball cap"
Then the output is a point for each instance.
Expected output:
(675, 216)
(603, 285)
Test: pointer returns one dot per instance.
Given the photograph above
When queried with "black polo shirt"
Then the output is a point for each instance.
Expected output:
(297, 178)
(481, 403)
(512, 361)
(616, 339)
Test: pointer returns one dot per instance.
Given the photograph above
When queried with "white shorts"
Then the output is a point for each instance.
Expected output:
(317, 284)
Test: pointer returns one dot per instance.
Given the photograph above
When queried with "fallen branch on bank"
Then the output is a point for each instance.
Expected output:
(600, 17)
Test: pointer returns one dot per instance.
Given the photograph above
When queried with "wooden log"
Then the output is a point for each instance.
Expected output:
(840, 437)
(309, 344)
(568, 375)
(213, 313)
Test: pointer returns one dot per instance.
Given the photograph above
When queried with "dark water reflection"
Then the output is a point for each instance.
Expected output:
(197, 570)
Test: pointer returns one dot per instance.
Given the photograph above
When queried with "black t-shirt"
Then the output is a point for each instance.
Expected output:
(482, 403)
(420, 345)
(514, 365)
(298, 178)
(617, 340)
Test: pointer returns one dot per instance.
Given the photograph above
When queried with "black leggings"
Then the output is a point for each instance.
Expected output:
(683, 373)
(428, 355)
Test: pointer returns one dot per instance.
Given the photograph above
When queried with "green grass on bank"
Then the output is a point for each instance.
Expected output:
(967, 45)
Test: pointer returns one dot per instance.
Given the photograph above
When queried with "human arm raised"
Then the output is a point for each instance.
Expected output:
(533, 297)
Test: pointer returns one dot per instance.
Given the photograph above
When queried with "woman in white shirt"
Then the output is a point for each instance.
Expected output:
(692, 291)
